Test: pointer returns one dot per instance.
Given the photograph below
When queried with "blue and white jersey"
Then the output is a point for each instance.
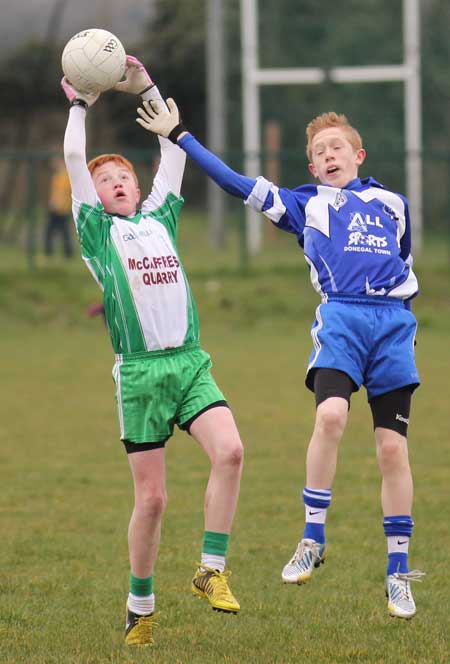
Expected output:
(356, 240)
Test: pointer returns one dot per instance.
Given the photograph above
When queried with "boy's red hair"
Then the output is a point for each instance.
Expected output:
(115, 158)
(327, 121)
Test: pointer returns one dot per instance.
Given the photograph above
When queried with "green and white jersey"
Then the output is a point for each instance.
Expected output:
(147, 299)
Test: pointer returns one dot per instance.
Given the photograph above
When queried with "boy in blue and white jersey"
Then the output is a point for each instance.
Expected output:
(356, 238)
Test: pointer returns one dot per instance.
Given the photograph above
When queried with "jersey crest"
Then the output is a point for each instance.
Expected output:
(339, 201)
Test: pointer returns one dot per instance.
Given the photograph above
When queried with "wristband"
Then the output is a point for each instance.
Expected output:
(80, 102)
(176, 131)
(149, 87)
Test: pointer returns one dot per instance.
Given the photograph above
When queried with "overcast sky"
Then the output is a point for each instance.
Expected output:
(21, 20)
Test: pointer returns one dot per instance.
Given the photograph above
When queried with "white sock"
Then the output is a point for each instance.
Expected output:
(398, 544)
(215, 562)
(315, 514)
(141, 605)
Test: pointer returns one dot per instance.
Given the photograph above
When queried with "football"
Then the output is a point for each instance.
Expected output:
(93, 60)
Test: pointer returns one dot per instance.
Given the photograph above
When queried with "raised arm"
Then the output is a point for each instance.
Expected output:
(75, 144)
(169, 175)
(171, 168)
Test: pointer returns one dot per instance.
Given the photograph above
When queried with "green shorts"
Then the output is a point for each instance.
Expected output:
(157, 389)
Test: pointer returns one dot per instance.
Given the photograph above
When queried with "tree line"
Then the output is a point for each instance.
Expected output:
(291, 33)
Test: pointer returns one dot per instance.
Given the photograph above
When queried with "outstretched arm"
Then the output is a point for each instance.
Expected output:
(156, 119)
(259, 194)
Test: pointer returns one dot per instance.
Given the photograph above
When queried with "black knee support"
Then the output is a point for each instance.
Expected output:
(391, 410)
(332, 383)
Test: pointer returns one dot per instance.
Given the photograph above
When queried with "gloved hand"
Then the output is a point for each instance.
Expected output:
(157, 118)
(137, 79)
(75, 97)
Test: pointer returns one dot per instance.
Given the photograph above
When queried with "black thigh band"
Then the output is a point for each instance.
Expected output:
(391, 410)
(131, 448)
(186, 426)
(332, 383)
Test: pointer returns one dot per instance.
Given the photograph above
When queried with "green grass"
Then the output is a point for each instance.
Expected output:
(67, 492)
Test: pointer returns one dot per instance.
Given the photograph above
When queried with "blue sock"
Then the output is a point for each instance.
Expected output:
(314, 531)
(397, 562)
(316, 502)
(398, 530)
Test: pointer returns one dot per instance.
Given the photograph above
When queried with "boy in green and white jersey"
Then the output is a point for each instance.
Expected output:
(162, 375)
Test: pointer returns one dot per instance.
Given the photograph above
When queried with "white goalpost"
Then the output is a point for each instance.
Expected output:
(253, 77)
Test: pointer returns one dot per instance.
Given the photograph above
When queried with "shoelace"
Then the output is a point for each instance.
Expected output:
(216, 572)
(147, 620)
(222, 576)
(301, 549)
(406, 577)
(413, 575)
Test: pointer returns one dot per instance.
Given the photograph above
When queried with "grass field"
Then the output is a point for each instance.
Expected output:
(66, 490)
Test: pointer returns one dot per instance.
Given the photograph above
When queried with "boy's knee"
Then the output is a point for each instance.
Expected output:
(152, 502)
(392, 451)
(231, 455)
(331, 418)
(236, 455)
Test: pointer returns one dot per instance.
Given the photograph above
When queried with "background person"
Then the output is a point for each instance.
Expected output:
(59, 209)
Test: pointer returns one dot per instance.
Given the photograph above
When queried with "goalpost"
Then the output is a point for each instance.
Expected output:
(409, 73)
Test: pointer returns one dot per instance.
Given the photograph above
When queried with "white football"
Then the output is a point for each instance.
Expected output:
(93, 60)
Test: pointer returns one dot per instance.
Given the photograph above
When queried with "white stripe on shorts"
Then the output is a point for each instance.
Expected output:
(117, 380)
(315, 337)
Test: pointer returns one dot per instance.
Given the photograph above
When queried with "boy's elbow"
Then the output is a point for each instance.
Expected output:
(74, 156)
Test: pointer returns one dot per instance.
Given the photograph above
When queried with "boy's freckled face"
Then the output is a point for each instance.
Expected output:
(334, 160)
(117, 189)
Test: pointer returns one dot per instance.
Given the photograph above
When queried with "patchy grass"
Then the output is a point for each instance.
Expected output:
(67, 493)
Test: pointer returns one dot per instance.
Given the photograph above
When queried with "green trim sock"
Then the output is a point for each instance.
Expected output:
(142, 587)
(214, 549)
(141, 599)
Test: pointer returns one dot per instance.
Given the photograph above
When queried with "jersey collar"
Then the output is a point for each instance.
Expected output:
(135, 218)
(358, 184)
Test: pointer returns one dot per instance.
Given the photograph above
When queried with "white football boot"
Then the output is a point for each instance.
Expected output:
(398, 591)
(308, 555)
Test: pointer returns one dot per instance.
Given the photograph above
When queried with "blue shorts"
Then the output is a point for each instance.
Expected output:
(370, 339)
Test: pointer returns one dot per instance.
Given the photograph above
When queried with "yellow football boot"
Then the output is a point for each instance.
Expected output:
(139, 629)
(213, 585)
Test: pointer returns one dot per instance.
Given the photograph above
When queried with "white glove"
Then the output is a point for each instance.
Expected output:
(137, 79)
(162, 120)
(78, 98)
